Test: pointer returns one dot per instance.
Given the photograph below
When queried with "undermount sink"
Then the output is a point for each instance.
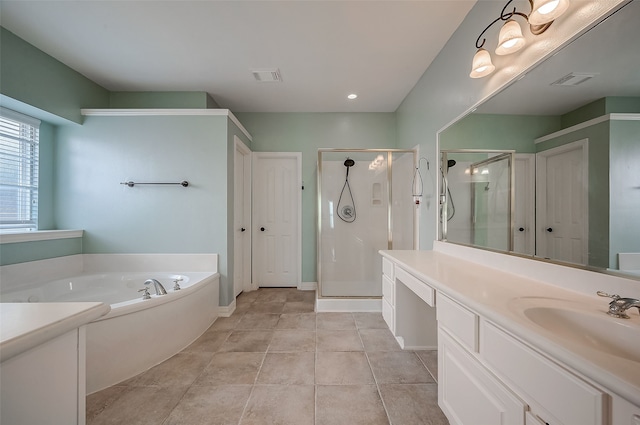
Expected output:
(586, 327)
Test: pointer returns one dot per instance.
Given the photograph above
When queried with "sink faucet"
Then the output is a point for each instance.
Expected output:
(157, 285)
(619, 306)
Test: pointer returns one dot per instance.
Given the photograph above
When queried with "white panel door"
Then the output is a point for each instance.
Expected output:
(561, 214)
(241, 217)
(276, 218)
(524, 204)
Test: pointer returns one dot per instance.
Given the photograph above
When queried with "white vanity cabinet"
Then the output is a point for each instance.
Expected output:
(495, 366)
(516, 379)
(414, 323)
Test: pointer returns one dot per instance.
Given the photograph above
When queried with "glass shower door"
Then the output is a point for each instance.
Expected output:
(354, 218)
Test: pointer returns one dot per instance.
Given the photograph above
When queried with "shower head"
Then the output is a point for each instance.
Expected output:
(349, 162)
(451, 163)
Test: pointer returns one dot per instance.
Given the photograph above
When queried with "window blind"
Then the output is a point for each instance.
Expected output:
(19, 139)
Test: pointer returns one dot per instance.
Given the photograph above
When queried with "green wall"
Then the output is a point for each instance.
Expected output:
(153, 100)
(624, 197)
(306, 133)
(490, 131)
(36, 79)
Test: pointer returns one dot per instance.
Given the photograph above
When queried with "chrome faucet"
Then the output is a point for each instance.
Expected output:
(619, 306)
(157, 285)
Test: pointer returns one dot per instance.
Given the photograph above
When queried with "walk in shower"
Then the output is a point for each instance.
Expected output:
(476, 198)
(365, 204)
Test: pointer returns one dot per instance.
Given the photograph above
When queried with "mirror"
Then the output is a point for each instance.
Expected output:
(574, 124)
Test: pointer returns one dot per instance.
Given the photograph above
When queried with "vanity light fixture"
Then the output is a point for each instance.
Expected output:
(510, 39)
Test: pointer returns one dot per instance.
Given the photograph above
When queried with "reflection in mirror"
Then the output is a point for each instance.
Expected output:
(574, 124)
(477, 198)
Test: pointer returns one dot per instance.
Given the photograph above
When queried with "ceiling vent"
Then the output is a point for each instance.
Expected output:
(573, 79)
(267, 75)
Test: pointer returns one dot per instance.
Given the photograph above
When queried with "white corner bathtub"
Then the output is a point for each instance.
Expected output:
(136, 334)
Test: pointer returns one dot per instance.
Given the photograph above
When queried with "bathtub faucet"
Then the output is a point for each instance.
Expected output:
(159, 288)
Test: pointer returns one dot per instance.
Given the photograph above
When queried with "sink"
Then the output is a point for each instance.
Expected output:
(588, 328)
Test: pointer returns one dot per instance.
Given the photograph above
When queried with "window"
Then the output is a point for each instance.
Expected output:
(19, 137)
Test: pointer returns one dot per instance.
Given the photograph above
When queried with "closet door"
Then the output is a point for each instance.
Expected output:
(277, 204)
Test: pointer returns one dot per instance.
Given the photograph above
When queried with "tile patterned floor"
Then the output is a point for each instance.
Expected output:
(275, 361)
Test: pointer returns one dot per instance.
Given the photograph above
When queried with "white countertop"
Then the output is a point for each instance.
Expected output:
(495, 294)
(27, 325)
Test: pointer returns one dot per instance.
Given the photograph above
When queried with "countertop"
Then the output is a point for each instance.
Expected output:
(26, 325)
(500, 297)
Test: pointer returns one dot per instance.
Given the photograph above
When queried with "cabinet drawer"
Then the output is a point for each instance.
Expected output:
(421, 289)
(387, 268)
(388, 314)
(387, 290)
(556, 395)
(458, 321)
(471, 395)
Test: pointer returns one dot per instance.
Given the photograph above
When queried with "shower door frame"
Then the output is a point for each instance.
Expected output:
(442, 219)
(389, 153)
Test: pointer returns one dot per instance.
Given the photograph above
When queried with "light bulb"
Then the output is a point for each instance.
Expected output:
(482, 65)
(510, 39)
(545, 11)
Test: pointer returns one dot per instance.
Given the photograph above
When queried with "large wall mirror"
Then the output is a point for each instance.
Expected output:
(574, 125)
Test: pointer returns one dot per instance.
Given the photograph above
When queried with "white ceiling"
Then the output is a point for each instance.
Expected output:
(609, 50)
(324, 49)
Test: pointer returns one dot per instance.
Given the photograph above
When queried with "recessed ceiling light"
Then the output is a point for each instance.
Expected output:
(352, 96)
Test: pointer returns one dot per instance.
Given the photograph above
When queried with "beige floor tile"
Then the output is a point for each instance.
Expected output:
(300, 296)
(247, 296)
(336, 321)
(306, 321)
(271, 296)
(378, 340)
(231, 369)
(341, 368)
(140, 406)
(349, 405)
(253, 320)
(298, 307)
(274, 308)
(225, 323)
(291, 340)
(369, 321)
(398, 367)
(220, 405)
(415, 404)
(281, 405)
(287, 369)
(178, 371)
(248, 341)
(430, 360)
(209, 342)
(101, 400)
(338, 341)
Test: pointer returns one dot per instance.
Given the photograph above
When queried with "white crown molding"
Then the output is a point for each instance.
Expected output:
(165, 112)
(594, 121)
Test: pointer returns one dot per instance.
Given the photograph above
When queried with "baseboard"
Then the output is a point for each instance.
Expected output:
(307, 286)
(226, 311)
(349, 305)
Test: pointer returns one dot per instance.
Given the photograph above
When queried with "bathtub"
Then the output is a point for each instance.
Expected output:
(136, 334)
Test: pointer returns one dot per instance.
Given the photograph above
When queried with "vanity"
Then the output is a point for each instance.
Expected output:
(519, 341)
(42, 353)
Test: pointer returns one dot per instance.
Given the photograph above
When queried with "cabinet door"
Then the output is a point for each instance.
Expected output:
(468, 394)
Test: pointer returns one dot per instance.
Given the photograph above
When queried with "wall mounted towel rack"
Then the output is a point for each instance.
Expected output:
(183, 183)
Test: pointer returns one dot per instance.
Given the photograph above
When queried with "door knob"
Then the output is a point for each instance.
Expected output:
(262, 229)
(242, 229)
(521, 229)
(549, 229)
